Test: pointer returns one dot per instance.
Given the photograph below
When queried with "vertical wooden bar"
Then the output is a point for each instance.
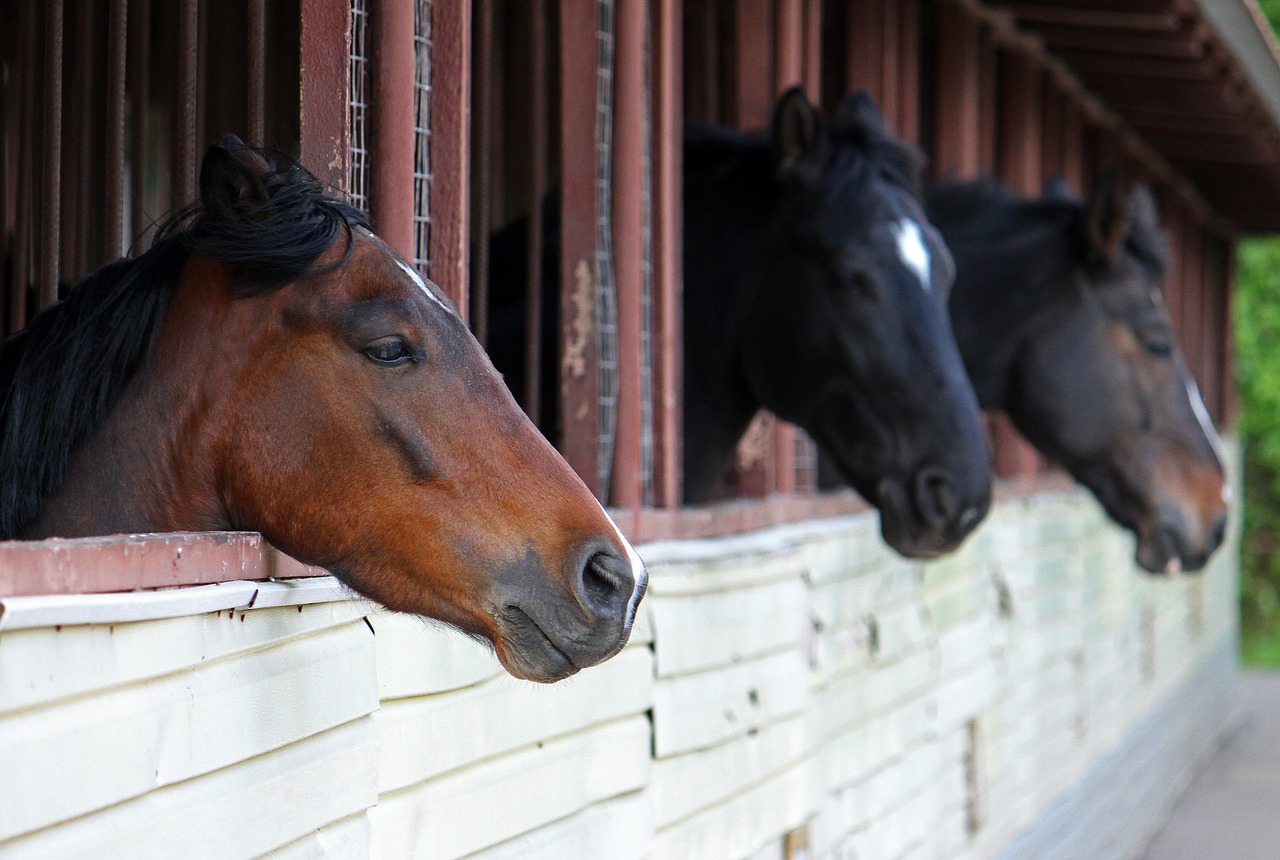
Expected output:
(185, 129)
(324, 124)
(1072, 164)
(752, 101)
(988, 103)
(113, 214)
(1020, 130)
(391, 119)
(863, 54)
(139, 103)
(909, 69)
(890, 49)
(1210, 329)
(1192, 298)
(1171, 216)
(812, 49)
(257, 39)
(50, 215)
(537, 168)
(450, 149)
(667, 288)
(1226, 344)
(482, 122)
(26, 179)
(957, 147)
(628, 249)
(579, 347)
(788, 45)
(1052, 126)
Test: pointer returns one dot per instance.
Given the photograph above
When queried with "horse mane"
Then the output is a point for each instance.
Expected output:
(60, 378)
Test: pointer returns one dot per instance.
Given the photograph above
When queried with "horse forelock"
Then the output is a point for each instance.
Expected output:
(60, 378)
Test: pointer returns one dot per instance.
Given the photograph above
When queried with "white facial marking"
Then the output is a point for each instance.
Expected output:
(422, 285)
(1202, 415)
(912, 250)
(638, 572)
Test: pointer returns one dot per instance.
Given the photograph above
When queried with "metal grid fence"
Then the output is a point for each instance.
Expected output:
(358, 105)
(606, 295)
(422, 137)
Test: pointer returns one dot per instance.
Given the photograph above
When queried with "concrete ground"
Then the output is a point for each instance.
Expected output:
(1232, 809)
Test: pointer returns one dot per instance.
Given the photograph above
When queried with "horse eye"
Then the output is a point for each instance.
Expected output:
(388, 350)
(858, 281)
(1156, 341)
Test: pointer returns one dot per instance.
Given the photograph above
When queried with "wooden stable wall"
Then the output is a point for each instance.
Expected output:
(796, 691)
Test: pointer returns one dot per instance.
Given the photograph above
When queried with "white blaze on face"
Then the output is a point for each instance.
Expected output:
(638, 572)
(912, 250)
(422, 285)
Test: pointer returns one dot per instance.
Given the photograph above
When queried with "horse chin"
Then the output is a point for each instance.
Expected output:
(896, 525)
(528, 653)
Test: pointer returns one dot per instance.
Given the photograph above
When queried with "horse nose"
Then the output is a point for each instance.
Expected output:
(605, 586)
(936, 499)
(1217, 533)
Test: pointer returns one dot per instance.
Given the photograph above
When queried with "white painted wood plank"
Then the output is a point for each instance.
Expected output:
(618, 829)
(418, 657)
(702, 631)
(496, 800)
(102, 749)
(684, 784)
(348, 838)
(719, 564)
(240, 811)
(747, 822)
(427, 736)
(46, 664)
(696, 711)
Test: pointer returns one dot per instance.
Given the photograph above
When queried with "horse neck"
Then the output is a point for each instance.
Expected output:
(1006, 285)
(149, 467)
(729, 200)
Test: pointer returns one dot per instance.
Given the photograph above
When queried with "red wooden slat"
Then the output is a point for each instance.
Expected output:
(752, 102)
(113, 213)
(482, 138)
(257, 73)
(909, 69)
(391, 118)
(666, 65)
(185, 128)
(1021, 88)
(956, 147)
(450, 150)
(537, 174)
(325, 80)
(788, 44)
(51, 213)
(863, 32)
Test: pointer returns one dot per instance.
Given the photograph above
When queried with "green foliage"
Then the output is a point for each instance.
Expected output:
(1257, 330)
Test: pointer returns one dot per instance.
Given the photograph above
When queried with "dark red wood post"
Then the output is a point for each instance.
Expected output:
(51, 212)
(752, 101)
(113, 183)
(324, 81)
(956, 146)
(667, 285)
(450, 150)
(579, 275)
(864, 63)
(628, 245)
(908, 123)
(391, 118)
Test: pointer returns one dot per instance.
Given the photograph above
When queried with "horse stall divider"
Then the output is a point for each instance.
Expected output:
(450, 150)
(391, 122)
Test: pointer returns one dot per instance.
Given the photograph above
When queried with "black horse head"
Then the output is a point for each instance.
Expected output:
(816, 288)
(1061, 321)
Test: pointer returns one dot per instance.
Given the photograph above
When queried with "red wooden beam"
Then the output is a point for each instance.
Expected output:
(391, 118)
(752, 102)
(450, 150)
(956, 147)
(51, 212)
(579, 275)
(1021, 90)
(667, 285)
(628, 244)
(908, 123)
(788, 44)
(864, 64)
(324, 79)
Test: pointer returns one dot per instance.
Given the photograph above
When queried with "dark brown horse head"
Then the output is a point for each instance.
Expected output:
(339, 405)
(1081, 353)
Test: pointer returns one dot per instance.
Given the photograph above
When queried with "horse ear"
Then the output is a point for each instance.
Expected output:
(1056, 188)
(231, 178)
(1107, 217)
(859, 111)
(798, 135)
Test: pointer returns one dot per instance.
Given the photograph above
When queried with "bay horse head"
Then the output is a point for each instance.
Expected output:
(271, 365)
(831, 308)
(1062, 322)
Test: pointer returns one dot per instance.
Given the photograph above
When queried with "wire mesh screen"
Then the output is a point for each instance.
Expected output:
(606, 297)
(422, 136)
(358, 105)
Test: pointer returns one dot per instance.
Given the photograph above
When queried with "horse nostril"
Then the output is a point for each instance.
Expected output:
(936, 499)
(607, 584)
(1217, 533)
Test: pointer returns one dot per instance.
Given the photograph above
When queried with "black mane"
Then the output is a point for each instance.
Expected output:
(269, 219)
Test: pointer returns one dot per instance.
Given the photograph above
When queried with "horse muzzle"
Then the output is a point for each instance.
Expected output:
(548, 634)
(927, 515)
(1174, 544)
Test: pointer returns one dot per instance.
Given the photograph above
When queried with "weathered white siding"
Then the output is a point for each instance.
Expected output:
(799, 689)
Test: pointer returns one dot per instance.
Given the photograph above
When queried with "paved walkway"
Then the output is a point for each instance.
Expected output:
(1232, 809)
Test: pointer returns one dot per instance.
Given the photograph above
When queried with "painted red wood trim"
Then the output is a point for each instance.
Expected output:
(812, 49)
(579, 350)
(184, 186)
(482, 139)
(391, 118)
(909, 69)
(667, 249)
(450, 150)
(956, 147)
(864, 27)
(113, 181)
(1019, 146)
(752, 100)
(51, 211)
(788, 45)
(537, 176)
(628, 249)
(324, 81)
